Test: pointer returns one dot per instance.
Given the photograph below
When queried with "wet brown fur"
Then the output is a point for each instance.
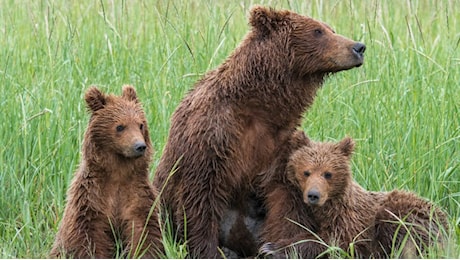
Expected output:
(234, 121)
(343, 212)
(110, 194)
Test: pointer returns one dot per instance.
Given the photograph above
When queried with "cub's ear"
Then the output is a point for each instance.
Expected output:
(308, 142)
(299, 139)
(129, 93)
(265, 20)
(346, 146)
(95, 99)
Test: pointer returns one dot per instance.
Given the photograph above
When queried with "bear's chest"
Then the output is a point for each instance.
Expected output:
(119, 197)
(260, 142)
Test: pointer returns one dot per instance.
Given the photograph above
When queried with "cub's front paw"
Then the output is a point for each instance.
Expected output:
(271, 251)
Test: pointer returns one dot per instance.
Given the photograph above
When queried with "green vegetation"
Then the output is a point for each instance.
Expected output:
(402, 107)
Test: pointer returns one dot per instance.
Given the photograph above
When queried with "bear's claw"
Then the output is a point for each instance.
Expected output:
(267, 249)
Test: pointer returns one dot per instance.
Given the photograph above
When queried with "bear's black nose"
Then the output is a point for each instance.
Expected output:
(140, 147)
(359, 48)
(313, 197)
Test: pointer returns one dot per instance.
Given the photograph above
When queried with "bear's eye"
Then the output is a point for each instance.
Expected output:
(306, 173)
(120, 128)
(327, 175)
(318, 32)
(141, 127)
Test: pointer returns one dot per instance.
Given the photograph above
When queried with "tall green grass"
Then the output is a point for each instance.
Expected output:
(402, 106)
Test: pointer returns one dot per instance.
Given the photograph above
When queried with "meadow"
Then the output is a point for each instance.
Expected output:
(402, 106)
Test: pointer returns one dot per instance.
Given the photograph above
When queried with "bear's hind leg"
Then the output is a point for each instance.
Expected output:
(408, 224)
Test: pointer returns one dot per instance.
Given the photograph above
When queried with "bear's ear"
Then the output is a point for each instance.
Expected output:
(299, 139)
(346, 146)
(265, 20)
(308, 142)
(129, 93)
(95, 99)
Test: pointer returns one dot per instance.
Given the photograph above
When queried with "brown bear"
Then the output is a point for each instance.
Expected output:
(327, 208)
(110, 208)
(232, 124)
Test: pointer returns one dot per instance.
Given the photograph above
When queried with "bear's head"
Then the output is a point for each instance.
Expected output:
(321, 170)
(117, 125)
(311, 46)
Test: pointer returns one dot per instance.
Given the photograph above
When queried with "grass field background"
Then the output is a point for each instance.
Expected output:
(402, 106)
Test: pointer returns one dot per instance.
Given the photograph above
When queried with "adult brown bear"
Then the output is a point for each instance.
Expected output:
(230, 126)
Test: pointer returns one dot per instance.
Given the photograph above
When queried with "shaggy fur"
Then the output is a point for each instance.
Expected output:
(342, 213)
(111, 197)
(231, 125)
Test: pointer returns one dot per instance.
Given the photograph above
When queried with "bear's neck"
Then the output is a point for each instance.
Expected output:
(260, 76)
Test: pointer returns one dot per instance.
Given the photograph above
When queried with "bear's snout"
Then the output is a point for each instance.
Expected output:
(313, 197)
(139, 148)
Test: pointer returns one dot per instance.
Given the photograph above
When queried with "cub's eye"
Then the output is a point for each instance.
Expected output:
(306, 173)
(327, 175)
(318, 32)
(141, 127)
(120, 128)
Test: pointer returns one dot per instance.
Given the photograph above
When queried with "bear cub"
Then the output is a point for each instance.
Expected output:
(375, 224)
(111, 201)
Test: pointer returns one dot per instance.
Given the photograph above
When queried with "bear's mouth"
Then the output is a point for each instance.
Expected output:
(134, 155)
(359, 60)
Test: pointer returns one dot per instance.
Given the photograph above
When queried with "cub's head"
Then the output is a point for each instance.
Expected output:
(312, 46)
(117, 124)
(321, 170)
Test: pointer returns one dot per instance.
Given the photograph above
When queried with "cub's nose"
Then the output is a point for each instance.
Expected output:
(140, 147)
(313, 197)
(359, 48)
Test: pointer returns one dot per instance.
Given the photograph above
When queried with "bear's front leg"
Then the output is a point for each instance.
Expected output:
(142, 230)
(288, 222)
(89, 237)
(84, 232)
(200, 212)
(300, 246)
(99, 240)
